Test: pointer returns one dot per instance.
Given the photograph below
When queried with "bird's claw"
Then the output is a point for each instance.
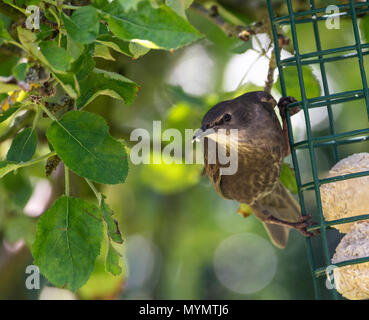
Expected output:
(303, 223)
(283, 103)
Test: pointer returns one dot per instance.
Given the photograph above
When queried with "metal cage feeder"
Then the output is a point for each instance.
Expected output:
(333, 141)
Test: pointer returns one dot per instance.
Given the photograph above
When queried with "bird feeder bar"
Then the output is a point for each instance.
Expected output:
(328, 100)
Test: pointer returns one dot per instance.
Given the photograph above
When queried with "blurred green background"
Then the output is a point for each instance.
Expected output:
(182, 241)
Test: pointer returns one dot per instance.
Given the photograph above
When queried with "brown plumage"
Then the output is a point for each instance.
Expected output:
(262, 145)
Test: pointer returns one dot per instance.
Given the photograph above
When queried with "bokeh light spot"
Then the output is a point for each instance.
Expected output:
(245, 263)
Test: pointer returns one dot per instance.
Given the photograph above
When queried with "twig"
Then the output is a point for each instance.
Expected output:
(16, 166)
(96, 192)
(242, 32)
(270, 77)
(32, 162)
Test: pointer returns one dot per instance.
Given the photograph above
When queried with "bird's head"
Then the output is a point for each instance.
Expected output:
(246, 112)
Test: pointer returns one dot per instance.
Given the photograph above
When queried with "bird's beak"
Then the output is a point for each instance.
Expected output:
(200, 133)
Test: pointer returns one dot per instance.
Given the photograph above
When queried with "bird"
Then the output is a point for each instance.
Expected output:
(262, 146)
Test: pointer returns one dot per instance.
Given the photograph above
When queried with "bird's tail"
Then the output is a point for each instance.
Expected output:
(277, 234)
(279, 204)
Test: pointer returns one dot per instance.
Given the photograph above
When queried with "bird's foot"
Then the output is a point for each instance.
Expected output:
(301, 225)
(282, 106)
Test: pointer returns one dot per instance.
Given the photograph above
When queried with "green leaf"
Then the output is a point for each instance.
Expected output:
(58, 57)
(67, 242)
(103, 52)
(85, 63)
(112, 261)
(112, 225)
(69, 83)
(74, 48)
(114, 43)
(82, 141)
(159, 28)
(112, 257)
(311, 83)
(19, 71)
(6, 114)
(83, 25)
(108, 83)
(179, 6)
(7, 64)
(44, 32)
(67, 80)
(288, 178)
(137, 50)
(23, 146)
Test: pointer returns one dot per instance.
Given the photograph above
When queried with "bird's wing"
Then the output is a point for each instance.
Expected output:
(279, 204)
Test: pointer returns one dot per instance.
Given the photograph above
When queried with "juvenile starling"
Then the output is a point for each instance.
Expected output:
(262, 145)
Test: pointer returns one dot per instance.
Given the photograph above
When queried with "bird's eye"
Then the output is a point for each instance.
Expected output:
(227, 117)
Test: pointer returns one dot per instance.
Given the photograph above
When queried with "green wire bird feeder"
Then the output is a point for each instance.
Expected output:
(320, 248)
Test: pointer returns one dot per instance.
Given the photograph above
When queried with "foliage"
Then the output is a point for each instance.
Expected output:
(59, 62)
(53, 73)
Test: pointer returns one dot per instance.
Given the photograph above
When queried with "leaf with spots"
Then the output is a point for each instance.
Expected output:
(112, 224)
(112, 261)
(114, 235)
(68, 242)
(67, 80)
